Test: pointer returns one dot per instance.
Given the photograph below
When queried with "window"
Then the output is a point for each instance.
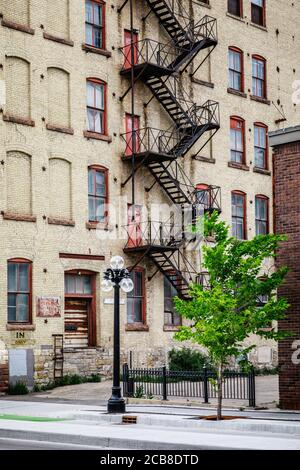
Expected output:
(259, 80)
(237, 140)
(78, 284)
(258, 12)
(95, 23)
(172, 318)
(236, 66)
(261, 146)
(238, 202)
(19, 291)
(96, 106)
(261, 215)
(235, 7)
(98, 194)
(136, 301)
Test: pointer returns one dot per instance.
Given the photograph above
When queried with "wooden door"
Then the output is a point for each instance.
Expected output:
(134, 226)
(127, 49)
(132, 135)
(77, 322)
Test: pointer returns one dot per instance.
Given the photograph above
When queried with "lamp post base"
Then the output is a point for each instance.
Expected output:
(116, 404)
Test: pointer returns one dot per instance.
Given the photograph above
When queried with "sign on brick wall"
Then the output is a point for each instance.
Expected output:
(48, 307)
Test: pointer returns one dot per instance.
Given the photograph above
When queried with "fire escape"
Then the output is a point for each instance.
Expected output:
(159, 67)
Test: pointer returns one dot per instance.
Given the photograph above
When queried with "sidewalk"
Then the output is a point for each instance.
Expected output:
(157, 427)
(267, 395)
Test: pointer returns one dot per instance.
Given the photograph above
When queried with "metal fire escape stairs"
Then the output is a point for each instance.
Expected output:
(158, 66)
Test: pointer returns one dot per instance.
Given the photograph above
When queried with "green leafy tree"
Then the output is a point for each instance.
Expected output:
(225, 315)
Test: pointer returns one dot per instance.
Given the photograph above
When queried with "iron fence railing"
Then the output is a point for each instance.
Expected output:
(166, 383)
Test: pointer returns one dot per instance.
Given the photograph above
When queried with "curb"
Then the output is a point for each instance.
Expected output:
(108, 442)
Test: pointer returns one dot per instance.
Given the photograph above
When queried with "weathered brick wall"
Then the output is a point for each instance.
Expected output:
(287, 221)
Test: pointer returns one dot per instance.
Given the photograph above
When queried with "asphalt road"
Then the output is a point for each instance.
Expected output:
(18, 444)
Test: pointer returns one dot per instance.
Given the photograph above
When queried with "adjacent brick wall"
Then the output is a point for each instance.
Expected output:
(287, 221)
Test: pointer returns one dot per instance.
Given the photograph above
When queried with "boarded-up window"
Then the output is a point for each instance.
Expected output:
(58, 97)
(17, 73)
(204, 71)
(16, 11)
(57, 22)
(18, 171)
(60, 189)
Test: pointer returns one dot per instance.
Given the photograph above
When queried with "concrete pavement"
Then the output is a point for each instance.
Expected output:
(157, 428)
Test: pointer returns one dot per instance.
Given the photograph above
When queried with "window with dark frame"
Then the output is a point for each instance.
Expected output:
(238, 204)
(258, 12)
(261, 215)
(237, 140)
(235, 7)
(98, 194)
(95, 23)
(136, 300)
(261, 146)
(236, 66)
(96, 106)
(259, 74)
(78, 284)
(19, 291)
(171, 317)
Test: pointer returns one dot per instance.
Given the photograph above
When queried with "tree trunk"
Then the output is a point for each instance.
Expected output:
(220, 394)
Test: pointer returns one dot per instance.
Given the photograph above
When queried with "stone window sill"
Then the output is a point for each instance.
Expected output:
(97, 226)
(64, 222)
(64, 130)
(136, 327)
(259, 26)
(238, 166)
(19, 327)
(236, 92)
(204, 159)
(262, 171)
(18, 27)
(18, 120)
(95, 50)
(18, 217)
(171, 328)
(260, 100)
(202, 82)
(96, 136)
(66, 42)
(234, 17)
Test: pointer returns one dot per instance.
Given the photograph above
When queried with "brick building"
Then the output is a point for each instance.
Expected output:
(286, 147)
(103, 146)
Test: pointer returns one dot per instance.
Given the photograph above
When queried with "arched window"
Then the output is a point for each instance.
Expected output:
(262, 215)
(19, 295)
(95, 23)
(18, 182)
(98, 194)
(239, 215)
(17, 72)
(259, 77)
(261, 146)
(96, 106)
(136, 300)
(236, 69)
(237, 140)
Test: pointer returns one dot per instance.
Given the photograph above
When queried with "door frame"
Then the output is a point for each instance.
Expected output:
(91, 305)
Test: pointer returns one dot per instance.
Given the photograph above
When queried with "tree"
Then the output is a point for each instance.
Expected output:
(225, 315)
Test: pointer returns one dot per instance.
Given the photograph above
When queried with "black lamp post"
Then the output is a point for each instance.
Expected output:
(116, 277)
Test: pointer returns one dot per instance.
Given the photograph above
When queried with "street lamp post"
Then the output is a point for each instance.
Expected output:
(116, 277)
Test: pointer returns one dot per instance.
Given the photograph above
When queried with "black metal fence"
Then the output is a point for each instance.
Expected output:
(187, 384)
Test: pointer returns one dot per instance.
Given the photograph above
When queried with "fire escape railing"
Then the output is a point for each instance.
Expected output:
(154, 234)
(158, 65)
